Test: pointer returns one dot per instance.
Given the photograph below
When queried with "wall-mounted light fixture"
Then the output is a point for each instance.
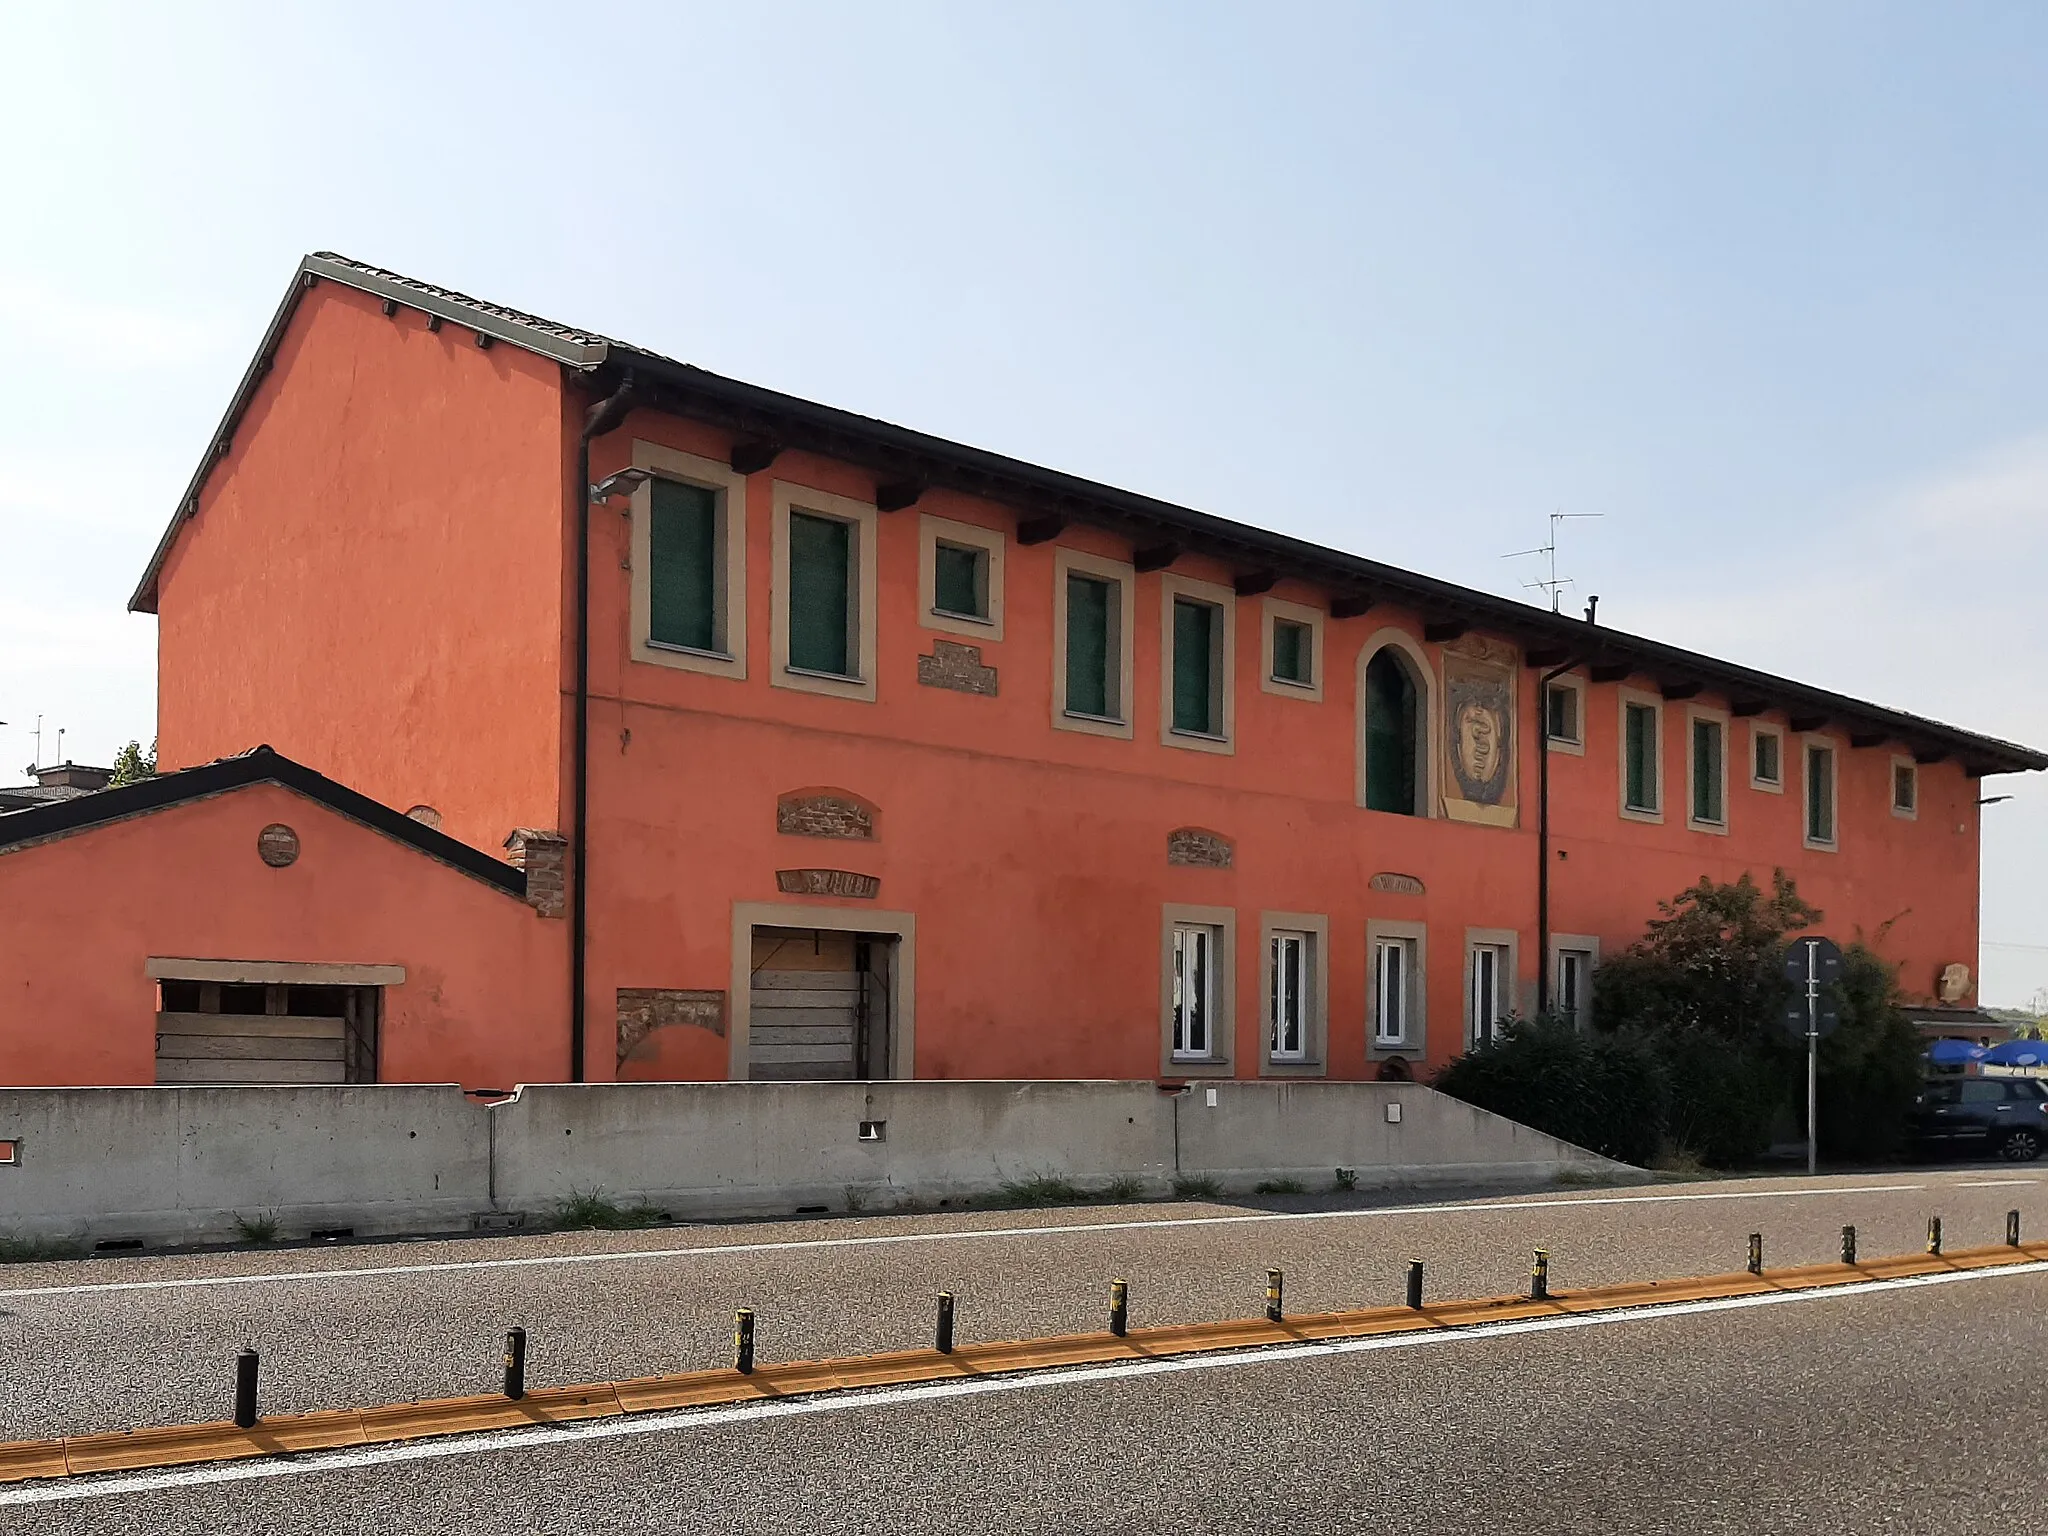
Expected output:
(624, 483)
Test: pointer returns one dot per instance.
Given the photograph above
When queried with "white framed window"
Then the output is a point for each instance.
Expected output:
(823, 588)
(1287, 999)
(1706, 770)
(1573, 959)
(1905, 789)
(1194, 991)
(1092, 620)
(1766, 757)
(1489, 983)
(1294, 983)
(1198, 990)
(1197, 642)
(960, 577)
(1396, 989)
(689, 563)
(1393, 984)
(1820, 758)
(1642, 756)
(1564, 715)
(1291, 650)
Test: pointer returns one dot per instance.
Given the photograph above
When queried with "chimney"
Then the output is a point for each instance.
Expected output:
(545, 857)
(73, 776)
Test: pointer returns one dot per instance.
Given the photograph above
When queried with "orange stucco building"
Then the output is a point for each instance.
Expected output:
(881, 755)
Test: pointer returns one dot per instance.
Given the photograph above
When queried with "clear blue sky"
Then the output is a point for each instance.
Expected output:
(1762, 285)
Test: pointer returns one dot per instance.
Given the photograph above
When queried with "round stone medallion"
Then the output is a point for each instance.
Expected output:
(278, 845)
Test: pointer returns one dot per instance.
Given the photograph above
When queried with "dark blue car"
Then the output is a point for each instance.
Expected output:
(2005, 1115)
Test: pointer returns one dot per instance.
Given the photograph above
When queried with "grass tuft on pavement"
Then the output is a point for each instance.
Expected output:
(1278, 1187)
(260, 1228)
(32, 1250)
(1043, 1189)
(1195, 1186)
(592, 1209)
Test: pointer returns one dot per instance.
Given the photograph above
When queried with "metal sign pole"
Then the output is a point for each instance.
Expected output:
(1812, 1057)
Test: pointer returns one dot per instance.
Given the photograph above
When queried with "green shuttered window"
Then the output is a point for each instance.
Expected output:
(1195, 630)
(683, 555)
(1706, 772)
(1091, 686)
(820, 594)
(1390, 735)
(1820, 794)
(1639, 748)
(960, 581)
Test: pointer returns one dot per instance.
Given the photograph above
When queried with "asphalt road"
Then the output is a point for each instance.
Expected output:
(1901, 1409)
(114, 1343)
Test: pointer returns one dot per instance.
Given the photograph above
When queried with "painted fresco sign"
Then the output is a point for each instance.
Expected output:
(1478, 735)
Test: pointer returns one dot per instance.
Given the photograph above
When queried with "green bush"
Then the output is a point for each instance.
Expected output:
(1726, 1093)
(1605, 1092)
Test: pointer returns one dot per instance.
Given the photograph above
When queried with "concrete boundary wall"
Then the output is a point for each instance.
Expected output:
(182, 1164)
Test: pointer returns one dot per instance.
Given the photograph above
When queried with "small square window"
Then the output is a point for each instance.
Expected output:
(1767, 769)
(1905, 789)
(960, 581)
(1294, 653)
(10, 1153)
(1561, 714)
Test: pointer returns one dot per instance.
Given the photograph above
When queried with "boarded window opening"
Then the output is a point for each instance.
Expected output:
(266, 1032)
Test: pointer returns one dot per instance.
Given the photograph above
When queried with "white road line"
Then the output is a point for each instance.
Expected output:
(112, 1485)
(1992, 1183)
(968, 1234)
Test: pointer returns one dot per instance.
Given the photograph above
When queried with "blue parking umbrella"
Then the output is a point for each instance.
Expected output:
(1955, 1053)
(2018, 1053)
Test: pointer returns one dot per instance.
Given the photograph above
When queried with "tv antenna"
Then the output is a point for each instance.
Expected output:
(1551, 582)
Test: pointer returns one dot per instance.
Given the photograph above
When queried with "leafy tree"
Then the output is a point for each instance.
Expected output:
(131, 767)
(1712, 962)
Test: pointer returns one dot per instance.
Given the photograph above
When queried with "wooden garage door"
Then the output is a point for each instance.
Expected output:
(806, 1006)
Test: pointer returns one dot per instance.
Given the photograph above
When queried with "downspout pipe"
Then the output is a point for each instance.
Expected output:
(598, 420)
(1543, 830)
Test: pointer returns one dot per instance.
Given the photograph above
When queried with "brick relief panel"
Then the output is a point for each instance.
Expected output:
(1198, 847)
(958, 667)
(824, 813)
